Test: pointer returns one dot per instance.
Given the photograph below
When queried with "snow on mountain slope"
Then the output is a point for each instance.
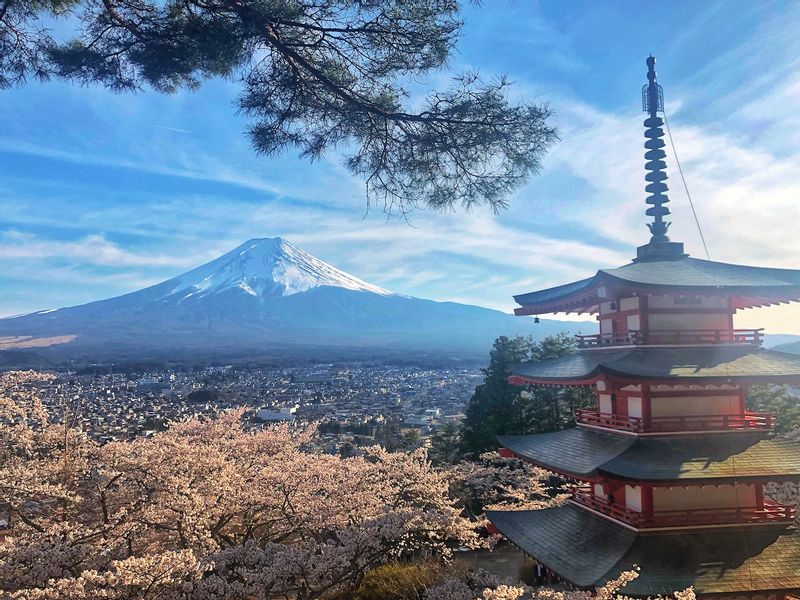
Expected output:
(266, 294)
(265, 267)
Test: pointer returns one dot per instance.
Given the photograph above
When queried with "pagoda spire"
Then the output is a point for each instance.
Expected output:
(660, 246)
(652, 103)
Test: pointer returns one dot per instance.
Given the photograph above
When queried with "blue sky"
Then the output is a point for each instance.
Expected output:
(101, 194)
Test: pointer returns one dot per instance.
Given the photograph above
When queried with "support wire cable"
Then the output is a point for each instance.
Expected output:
(685, 187)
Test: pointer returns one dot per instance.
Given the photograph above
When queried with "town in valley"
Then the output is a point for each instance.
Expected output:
(354, 404)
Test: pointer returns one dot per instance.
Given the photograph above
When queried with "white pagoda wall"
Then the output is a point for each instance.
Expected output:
(691, 406)
(703, 496)
(682, 321)
(687, 302)
(686, 322)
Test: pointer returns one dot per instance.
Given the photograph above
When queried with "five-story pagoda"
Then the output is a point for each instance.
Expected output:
(673, 466)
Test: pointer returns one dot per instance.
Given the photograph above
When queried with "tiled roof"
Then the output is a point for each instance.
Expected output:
(708, 362)
(585, 453)
(568, 540)
(704, 273)
(589, 551)
(692, 274)
(555, 293)
(573, 451)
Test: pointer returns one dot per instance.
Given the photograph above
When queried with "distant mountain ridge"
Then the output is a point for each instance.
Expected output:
(265, 295)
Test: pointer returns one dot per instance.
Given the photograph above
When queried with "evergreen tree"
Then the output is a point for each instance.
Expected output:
(491, 409)
(445, 445)
(317, 75)
(778, 400)
(499, 408)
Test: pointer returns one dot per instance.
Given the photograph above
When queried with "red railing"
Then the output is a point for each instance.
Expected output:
(586, 497)
(771, 512)
(625, 423)
(749, 420)
(672, 337)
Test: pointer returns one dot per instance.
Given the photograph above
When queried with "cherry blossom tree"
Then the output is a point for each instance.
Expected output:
(208, 509)
(495, 482)
(487, 588)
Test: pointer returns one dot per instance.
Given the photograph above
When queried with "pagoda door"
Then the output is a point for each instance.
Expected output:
(619, 327)
(619, 404)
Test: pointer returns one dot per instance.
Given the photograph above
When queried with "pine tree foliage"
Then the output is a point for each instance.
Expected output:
(778, 400)
(499, 408)
(316, 75)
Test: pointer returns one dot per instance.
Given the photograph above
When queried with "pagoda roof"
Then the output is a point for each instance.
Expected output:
(589, 551)
(713, 362)
(752, 286)
(589, 454)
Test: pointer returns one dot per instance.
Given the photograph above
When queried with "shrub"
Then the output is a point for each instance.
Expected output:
(395, 581)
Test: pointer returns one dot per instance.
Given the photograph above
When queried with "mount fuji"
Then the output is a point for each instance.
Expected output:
(266, 297)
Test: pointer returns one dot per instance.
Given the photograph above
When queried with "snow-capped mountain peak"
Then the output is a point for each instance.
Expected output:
(264, 300)
(264, 267)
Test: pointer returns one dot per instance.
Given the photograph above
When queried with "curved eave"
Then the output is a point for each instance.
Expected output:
(589, 551)
(708, 459)
(699, 365)
(567, 540)
(522, 380)
(592, 455)
(770, 287)
(625, 378)
(559, 293)
(575, 453)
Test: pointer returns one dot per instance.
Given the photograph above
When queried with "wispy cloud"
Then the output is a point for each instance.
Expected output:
(132, 190)
(93, 250)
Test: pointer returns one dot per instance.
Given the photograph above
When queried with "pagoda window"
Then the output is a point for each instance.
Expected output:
(619, 305)
(609, 307)
(635, 407)
(605, 404)
(633, 498)
(599, 491)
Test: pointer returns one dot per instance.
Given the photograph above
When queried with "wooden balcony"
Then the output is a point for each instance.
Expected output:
(747, 422)
(687, 337)
(771, 512)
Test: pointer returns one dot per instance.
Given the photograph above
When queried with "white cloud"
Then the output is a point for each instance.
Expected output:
(92, 249)
(740, 167)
